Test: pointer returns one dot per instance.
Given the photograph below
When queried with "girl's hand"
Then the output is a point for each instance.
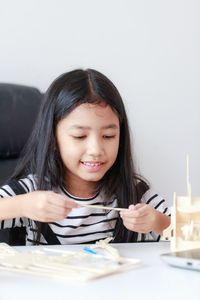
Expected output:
(46, 206)
(144, 218)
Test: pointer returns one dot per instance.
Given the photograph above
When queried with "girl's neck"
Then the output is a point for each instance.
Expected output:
(81, 193)
(81, 190)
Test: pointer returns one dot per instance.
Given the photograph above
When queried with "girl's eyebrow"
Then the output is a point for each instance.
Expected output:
(112, 126)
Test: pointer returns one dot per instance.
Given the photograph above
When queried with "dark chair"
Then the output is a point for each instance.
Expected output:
(19, 107)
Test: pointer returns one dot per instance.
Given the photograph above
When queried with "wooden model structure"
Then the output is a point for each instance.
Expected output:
(184, 231)
(65, 265)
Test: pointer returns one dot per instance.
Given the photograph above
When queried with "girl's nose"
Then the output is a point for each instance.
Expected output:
(95, 147)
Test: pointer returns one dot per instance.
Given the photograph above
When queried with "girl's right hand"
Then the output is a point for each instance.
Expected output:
(47, 206)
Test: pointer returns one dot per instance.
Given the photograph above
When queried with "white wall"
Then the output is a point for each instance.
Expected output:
(149, 49)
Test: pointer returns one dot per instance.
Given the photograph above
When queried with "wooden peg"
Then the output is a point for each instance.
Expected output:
(188, 181)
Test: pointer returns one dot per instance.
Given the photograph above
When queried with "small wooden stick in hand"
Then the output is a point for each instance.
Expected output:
(103, 207)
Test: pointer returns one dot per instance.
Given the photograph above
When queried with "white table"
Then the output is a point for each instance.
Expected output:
(152, 280)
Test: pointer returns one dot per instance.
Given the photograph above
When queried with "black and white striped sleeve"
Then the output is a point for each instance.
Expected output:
(6, 191)
(156, 201)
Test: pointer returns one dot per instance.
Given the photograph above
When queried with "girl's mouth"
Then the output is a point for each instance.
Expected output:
(92, 165)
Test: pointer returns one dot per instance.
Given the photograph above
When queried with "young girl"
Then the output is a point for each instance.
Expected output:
(80, 153)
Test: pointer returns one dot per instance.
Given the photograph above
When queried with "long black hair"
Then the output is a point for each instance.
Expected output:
(41, 155)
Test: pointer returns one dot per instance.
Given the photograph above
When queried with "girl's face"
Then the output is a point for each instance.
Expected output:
(88, 141)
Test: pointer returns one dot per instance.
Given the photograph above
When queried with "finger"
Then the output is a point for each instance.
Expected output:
(48, 217)
(51, 218)
(137, 228)
(135, 221)
(62, 211)
(130, 213)
(132, 207)
(71, 204)
(144, 209)
(139, 205)
(64, 202)
(134, 211)
(141, 208)
(58, 215)
(136, 206)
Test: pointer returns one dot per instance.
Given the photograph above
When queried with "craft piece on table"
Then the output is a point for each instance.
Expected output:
(6, 249)
(184, 231)
(191, 231)
(104, 244)
(61, 264)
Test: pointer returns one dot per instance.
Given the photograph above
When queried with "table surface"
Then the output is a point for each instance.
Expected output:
(153, 279)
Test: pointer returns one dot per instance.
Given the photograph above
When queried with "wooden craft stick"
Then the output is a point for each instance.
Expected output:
(103, 207)
(188, 181)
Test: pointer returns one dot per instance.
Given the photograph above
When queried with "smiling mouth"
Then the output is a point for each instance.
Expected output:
(92, 164)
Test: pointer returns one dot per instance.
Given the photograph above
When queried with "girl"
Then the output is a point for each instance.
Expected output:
(80, 153)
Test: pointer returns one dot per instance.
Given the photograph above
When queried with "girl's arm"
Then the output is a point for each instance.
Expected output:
(43, 206)
(11, 207)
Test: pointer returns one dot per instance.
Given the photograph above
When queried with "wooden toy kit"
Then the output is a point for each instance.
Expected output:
(66, 265)
(184, 231)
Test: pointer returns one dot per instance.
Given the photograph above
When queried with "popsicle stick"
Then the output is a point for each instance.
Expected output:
(103, 207)
(188, 181)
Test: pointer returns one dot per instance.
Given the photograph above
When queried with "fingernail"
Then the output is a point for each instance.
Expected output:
(132, 207)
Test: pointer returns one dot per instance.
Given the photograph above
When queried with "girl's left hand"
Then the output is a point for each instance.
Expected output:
(140, 218)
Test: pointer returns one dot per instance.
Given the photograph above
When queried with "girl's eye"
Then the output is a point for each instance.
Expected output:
(79, 137)
(108, 136)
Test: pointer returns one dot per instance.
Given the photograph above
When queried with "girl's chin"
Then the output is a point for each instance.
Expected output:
(93, 178)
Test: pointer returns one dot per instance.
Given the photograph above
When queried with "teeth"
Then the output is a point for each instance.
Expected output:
(90, 164)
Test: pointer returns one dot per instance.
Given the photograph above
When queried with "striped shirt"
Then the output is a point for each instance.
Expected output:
(82, 225)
